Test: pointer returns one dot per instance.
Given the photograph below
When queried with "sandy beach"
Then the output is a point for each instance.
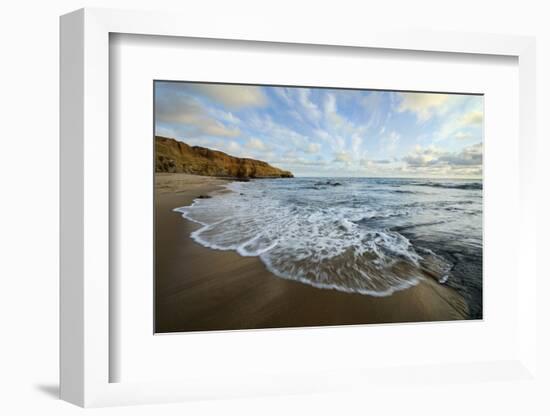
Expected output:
(198, 289)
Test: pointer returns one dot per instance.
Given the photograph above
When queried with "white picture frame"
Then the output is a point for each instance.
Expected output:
(85, 266)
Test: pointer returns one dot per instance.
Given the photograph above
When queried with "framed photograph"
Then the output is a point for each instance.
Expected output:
(306, 206)
(329, 210)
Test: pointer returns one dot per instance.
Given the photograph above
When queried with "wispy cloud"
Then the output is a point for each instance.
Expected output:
(310, 108)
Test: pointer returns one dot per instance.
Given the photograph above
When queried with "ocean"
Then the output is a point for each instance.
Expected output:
(372, 236)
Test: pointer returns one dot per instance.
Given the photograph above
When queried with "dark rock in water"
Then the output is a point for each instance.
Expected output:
(327, 183)
(463, 270)
(241, 194)
(204, 197)
(467, 186)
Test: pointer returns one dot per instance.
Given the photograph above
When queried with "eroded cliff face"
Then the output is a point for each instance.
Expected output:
(178, 157)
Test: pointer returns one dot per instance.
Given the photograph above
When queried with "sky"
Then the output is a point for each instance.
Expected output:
(329, 132)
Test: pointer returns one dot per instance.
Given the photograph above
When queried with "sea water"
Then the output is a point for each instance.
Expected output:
(370, 236)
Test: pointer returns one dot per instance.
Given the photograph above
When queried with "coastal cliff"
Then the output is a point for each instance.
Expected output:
(178, 157)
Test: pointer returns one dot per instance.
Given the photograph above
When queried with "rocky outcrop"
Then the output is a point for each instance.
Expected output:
(178, 157)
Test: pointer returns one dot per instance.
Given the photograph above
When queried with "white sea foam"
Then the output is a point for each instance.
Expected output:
(318, 238)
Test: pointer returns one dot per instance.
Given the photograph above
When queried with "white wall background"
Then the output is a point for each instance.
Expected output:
(29, 114)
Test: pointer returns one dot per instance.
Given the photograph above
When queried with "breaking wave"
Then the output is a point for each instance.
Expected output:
(334, 239)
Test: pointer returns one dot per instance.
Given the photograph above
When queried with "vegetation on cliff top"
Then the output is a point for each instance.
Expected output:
(178, 157)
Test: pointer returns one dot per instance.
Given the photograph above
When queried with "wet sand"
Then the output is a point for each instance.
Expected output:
(199, 289)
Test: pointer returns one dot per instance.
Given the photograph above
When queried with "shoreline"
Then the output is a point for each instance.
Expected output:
(200, 289)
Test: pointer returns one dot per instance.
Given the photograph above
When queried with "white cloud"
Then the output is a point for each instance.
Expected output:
(185, 110)
(435, 161)
(232, 96)
(469, 156)
(422, 104)
(423, 156)
(330, 103)
(461, 125)
(342, 157)
(217, 129)
(225, 116)
(256, 144)
(473, 118)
